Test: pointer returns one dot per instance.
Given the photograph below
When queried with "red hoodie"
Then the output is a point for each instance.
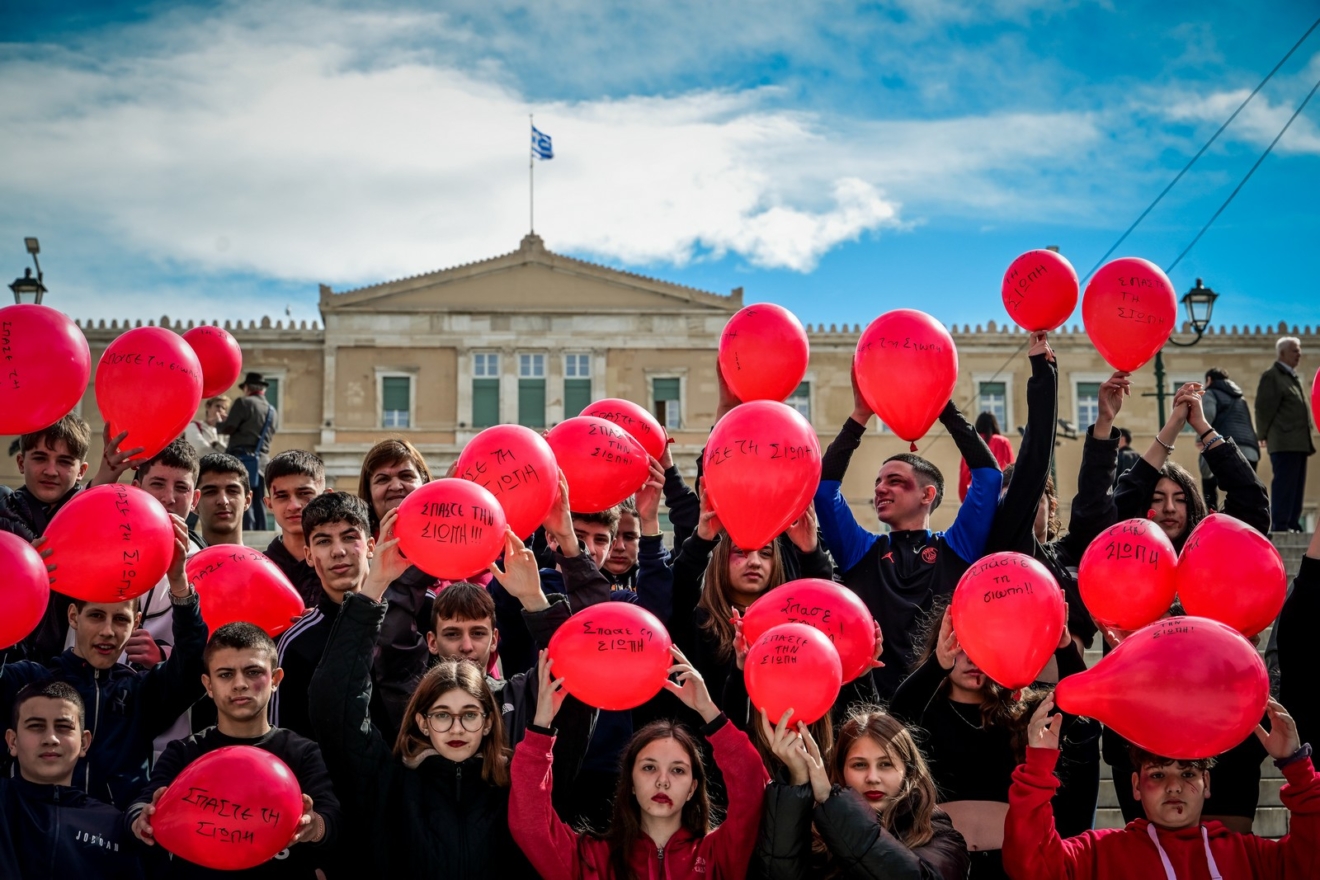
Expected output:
(1033, 850)
(558, 853)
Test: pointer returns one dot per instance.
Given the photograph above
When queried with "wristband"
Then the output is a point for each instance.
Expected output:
(1206, 444)
(1168, 447)
(1209, 430)
(1300, 754)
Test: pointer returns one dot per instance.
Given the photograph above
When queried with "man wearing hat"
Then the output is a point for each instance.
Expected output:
(251, 422)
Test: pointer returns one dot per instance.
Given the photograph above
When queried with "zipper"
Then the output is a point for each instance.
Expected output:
(58, 815)
(458, 783)
(660, 859)
(96, 719)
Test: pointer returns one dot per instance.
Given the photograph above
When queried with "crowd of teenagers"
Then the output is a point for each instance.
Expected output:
(431, 737)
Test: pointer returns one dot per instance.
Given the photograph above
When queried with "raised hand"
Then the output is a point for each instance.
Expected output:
(690, 687)
(1282, 740)
(177, 574)
(820, 779)
(387, 562)
(1109, 402)
(1043, 731)
(727, 398)
(143, 650)
(739, 640)
(550, 695)
(879, 647)
(803, 530)
(708, 526)
(520, 577)
(647, 499)
(786, 745)
(1040, 344)
(947, 647)
(559, 522)
(862, 412)
(113, 461)
(45, 551)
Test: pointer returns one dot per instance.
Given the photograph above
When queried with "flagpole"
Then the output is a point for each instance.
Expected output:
(531, 181)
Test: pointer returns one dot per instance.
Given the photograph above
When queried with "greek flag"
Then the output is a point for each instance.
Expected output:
(541, 146)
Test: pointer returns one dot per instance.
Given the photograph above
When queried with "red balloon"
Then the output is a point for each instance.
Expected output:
(149, 384)
(602, 462)
(1129, 310)
(831, 608)
(793, 666)
(46, 364)
(25, 590)
(111, 543)
(1315, 397)
(1129, 575)
(1230, 572)
(761, 469)
(1183, 688)
(238, 583)
(1040, 290)
(1009, 614)
(635, 420)
(230, 810)
(219, 355)
(517, 467)
(906, 367)
(763, 353)
(614, 655)
(451, 528)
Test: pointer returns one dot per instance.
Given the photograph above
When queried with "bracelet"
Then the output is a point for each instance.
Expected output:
(1303, 752)
(1168, 447)
(1206, 444)
(1209, 430)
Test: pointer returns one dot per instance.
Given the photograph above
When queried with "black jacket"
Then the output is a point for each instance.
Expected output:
(856, 846)
(303, 577)
(1298, 689)
(53, 832)
(300, 649)
(1229, 414)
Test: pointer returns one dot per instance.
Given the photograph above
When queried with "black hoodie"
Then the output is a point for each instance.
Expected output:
(53, 832)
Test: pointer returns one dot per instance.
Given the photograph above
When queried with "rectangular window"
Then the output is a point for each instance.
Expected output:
(485, 364)
(1088, 404)
(577, 366)
(800, 400)
(531, 390)
(577, 383)
(396, 401)
(485, 389)
(668, 407)
(273, 392)
(531, 366)
(992, 397)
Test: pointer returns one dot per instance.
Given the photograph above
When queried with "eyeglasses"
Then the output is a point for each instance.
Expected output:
(443, 721)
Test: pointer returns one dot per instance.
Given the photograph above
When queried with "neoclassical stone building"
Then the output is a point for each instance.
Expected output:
(532, 336)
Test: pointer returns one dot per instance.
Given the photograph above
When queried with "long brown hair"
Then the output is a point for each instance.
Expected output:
(465, 676)
(916, 803)
(717, 590)
(626, 822)
(387, 453)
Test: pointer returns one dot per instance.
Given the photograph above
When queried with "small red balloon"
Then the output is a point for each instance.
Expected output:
(451, 529)
(643, 426)
(148, 383)
(831, 608)
(46, 365)
(1230, 572)
(602, 462)
(793, 666)
(763, 353)
(1128, 575)
(1040, 290)
(1009, 614)
(1129, 310)
(614, 655)
(761, 469)
(25, 591)
(264, 805)
(906, 367)
(111, 543)
(1315, 398)
(218, 353)
(238, 583)
(518, 468)
(1183, 688)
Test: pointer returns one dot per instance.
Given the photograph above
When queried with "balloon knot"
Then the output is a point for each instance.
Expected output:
(669, 440)
(1150, 514)
(1016, 695)
(912, 447)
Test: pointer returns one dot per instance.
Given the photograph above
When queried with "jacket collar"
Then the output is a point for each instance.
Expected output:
(63, 795)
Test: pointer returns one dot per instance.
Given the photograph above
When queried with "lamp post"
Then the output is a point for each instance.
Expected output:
(28, 289)
(1200, 304)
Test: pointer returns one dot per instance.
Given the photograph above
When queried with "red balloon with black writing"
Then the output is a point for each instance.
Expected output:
(1128, 575)
(1129, 310)
(1315, 398)
(111, 543)
(1230, 572)
(1183, 687)
(602, 462)
(451, 528)
(762, 466)
(906, 366)
(1009, 615)
(148, 383)
(25, 590)
(229, 810)
(1040, 290)
(218, 353)
(763, 353)
(238, 583)
(517, 467)
(45, 365)
(831, 608)
(613, 655)
(793, 666)
(635, 420)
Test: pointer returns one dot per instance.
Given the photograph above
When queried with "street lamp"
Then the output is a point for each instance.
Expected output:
(1200, 304)
(27, 288)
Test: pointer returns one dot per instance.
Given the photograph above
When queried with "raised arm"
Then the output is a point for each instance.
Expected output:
(549, 844)
(1093, 507)
(1015, 515)
(170, 687)
(1032, 845)
(971, 527)
(783, 847)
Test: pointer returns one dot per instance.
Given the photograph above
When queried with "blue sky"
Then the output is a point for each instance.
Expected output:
(220, 159)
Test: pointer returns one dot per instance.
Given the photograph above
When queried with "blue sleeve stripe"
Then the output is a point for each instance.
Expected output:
(847, 541)
(971, 528)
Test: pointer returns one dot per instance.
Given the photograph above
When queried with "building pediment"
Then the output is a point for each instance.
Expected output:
(529, 279)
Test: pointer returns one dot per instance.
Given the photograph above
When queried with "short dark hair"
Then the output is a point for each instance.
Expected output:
(238, 635)
(335, 507)
(51, 690)
(1216, 374)
(179, 454)
(1140, 758)
(295, 463)
(987, 425)
(71, 429)
(926, 471)
(223, 463)
(628, 505)
(609, 517)
(80, 604)
(462, 601)
(1126, 435)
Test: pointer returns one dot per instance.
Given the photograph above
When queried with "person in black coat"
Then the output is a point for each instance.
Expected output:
(1296, 627)
(865, 811)
(1227, 411)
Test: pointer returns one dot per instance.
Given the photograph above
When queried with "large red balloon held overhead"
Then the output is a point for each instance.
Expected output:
(1040, 290)
(238, 583)
(111, 543)
(44, 367)
(450, 528)
(218, 353)
(25, 590)
(643, 426)
(1009, 615)
(149, 384)
(1129, 310)
(613, 655)
(906, 366)
(601, 461)
(518, 468)
(793, 666)
(763, 353)
(1230, 572)
(1128, 575)
(831, 608)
